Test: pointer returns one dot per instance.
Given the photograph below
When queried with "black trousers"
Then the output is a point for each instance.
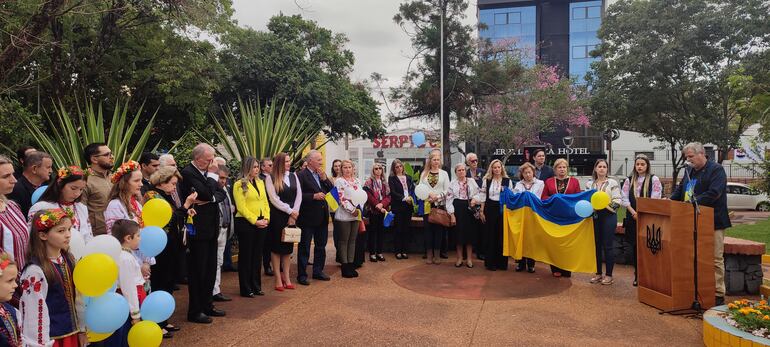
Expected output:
(376, 233)
(494, 237)
(361, 241)
(265, 255)
(250, 244)
(402, 223)
(479, 246)
(629, 224)
(163, 273)
(201, 274)
(180, 257)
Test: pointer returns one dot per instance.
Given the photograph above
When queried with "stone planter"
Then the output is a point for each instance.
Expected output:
(717, 332)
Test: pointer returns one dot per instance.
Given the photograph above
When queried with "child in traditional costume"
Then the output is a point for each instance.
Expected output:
(10, 334)
(50, 310)
(130, 278)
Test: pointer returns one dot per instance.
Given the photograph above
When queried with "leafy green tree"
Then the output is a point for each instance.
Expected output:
(299, 61)
(666, 67)
(419, 94)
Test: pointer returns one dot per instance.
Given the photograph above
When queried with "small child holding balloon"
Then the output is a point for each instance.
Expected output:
(50, 308)
(130, 278)
(9, 321)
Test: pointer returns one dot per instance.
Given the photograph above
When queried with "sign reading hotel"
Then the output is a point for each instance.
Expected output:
(549, 151)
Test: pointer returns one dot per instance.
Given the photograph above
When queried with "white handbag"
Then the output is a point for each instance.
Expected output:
(291, 234)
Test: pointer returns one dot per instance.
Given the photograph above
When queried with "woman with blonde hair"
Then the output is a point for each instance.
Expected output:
(437, 181)
(347, 216)
(251, 223)
(560, 183)
(495, 180)
(285, 199)
(461, 204)
(605, 221)
(528, 183)
(377, 204)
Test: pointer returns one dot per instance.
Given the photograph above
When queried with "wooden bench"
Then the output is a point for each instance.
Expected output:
(743, 266)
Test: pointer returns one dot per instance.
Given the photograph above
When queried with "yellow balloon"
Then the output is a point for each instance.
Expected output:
(156, 212)
(96, 337)
(145, 334)
(95, 274)
(600, 200)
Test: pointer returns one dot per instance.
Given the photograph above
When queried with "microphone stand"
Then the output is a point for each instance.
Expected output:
(696, 309)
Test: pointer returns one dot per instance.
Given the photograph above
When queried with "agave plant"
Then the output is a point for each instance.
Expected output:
(67, 139)
(264, 130)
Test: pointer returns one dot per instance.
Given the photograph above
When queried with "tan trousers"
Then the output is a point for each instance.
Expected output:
(719, 261)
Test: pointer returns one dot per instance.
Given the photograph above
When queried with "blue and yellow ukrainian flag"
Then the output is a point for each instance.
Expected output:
(549, 231)
(333, 199)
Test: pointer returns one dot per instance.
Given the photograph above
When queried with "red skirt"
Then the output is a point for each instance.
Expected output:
(140, 293)
(69, 341)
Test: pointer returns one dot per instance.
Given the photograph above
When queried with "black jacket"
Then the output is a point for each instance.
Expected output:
(710, 190)
(545, 173)
(22, 194)
(397, 205)
(313, 213)
(479, 175)
(206, 221)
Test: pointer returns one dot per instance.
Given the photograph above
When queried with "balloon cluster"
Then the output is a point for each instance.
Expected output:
(96, 275)
(599, 201)
(356, 196)
(422, 191)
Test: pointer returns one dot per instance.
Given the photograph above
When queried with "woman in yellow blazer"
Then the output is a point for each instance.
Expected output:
(251, 226)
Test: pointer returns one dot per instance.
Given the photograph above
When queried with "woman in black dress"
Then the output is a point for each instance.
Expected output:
(285, 195)
(401, 187)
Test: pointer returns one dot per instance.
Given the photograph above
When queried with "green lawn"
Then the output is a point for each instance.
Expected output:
(759, 232)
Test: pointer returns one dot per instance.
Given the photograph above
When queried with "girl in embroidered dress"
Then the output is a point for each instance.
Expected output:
(130, 279)
(561, 183)
(528, 183)
(605, 221)
(14, 231)
(64, 192)
(125, 204)
(51, 312)
(10, 335)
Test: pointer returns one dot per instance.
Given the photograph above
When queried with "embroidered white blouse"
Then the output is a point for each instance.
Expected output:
(130, 276)
(347, 211)
(494, 190)
(535, 187)
(458, 191)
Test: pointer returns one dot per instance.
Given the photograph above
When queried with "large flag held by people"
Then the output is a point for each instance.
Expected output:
(548, 231)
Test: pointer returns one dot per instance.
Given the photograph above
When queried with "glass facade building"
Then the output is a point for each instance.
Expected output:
(512, 23)
(585, 19)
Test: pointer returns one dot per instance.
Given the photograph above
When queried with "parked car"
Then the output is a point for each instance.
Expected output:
(743, 197)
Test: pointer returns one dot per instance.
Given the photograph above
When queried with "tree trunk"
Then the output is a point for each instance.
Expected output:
(28, 38)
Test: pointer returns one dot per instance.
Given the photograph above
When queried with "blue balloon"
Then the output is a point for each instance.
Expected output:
(418, 139)
(388, 221)
(153, 241)
(38, 193)
(158, 306)
(583, 208)
(106, 313)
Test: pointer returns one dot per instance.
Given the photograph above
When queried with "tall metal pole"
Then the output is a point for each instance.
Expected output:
(441, 79)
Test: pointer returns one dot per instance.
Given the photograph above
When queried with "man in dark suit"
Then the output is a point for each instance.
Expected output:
(542, 171)
(313, 218)
(202, 239)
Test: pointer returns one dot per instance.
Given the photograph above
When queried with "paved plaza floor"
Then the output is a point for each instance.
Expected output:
(409, 303)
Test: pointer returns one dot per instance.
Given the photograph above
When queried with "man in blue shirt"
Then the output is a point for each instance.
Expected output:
(707, 183)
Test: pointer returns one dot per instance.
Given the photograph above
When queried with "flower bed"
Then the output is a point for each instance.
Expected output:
(740, 323)
(751, 317)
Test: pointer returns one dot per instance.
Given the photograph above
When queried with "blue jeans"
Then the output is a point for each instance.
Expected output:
(604, 237)
(320, 234)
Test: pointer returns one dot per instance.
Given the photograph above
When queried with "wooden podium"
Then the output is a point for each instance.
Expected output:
(664, 245)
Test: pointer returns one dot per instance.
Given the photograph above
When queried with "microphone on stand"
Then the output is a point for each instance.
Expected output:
(688, 167)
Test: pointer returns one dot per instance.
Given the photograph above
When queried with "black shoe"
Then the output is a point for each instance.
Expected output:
(221, 298)
(303, 281)
(380, 257)
(248, 295)
(373, 258)
(269, 271)
(480, 257)
(720, 300)
(200, 318)
(531, 269)
(322, 277)
(353, 272)
(443, 256)
(168, 335)
(214, 312)
(398, 256)
(259, 293)
(635, 284)
(171, 328)
(424, 256)
(345, 270)
(521, 267)
(406, 256)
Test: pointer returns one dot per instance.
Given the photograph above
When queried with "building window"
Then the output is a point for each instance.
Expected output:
(594, 12)
(650, 155)
(514, 18)
(501, 19)
(579, 52)
(579, 13)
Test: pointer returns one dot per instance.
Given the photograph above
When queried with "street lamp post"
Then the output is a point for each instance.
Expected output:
(568, 140)
(441, 83)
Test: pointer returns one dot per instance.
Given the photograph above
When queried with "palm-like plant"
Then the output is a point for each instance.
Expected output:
(67, 139)
(264, 130)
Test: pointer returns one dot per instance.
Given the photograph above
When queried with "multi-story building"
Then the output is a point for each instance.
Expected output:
(560, 33)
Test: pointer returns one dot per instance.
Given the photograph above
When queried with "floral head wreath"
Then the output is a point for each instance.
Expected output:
(50, 218)
(127, 167)
(5, 260)
(68, 171)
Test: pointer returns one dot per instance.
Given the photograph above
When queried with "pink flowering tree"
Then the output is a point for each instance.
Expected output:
(535, 100)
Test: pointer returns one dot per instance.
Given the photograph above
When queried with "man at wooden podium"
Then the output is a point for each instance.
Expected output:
(706, 181)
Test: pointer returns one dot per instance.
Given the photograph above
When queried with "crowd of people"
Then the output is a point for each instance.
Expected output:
(257, 206)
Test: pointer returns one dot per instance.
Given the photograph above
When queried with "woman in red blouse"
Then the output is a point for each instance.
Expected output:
(561, 183)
